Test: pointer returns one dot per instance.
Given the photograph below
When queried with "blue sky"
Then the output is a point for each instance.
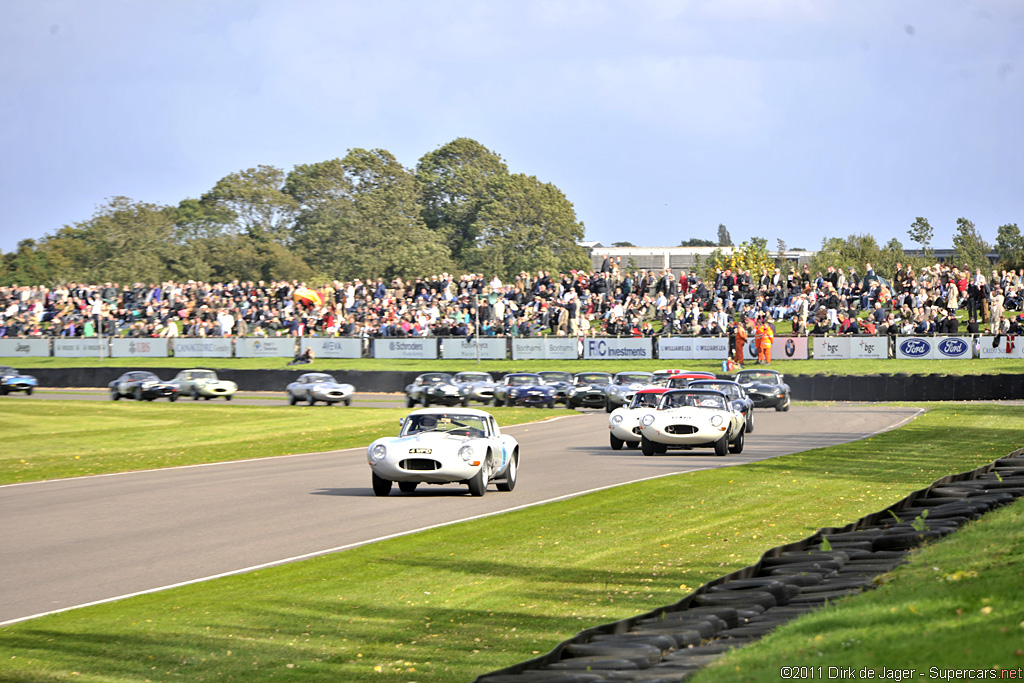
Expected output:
(783, 119)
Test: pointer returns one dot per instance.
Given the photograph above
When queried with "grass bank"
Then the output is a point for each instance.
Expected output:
(793, 367)
(451, 603)
(75, 438)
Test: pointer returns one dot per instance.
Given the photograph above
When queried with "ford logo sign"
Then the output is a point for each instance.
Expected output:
(915, 348)
(953, 347)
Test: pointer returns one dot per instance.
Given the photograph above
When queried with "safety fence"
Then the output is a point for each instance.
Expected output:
(517, 348)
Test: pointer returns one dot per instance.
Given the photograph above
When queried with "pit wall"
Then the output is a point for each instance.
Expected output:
(899, 387)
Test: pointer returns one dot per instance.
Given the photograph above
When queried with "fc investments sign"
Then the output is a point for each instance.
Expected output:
(413, 348)
(618, 349)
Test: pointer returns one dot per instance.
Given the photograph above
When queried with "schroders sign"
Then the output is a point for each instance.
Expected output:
(413, 348)
(201, 347)
(536, 348)
(333, 347)
(10, 348)
(138, 347)
(933, 348)
(618, 349)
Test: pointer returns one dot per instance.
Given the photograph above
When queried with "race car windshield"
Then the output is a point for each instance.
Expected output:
(762, 377)
(623, 378)
(319, 379)
(593, 379)
(645, 400)
(523, 380)
(473, 377)
(556, 377)
(685, 399)
(457, 424)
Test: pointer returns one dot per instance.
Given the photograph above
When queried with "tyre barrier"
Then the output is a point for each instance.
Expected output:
(670, 643)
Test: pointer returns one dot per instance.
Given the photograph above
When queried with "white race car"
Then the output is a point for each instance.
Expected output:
(692, 418)
(624, 422)
(445, 446)
(204, 383)
(319, 386)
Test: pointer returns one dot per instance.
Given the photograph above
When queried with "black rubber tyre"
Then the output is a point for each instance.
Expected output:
(407, 486)
(195, 394)
(661, 448)
(381, 487)
(498, 403)
(348, 401)
(138, 394)
(737, 445)
(464, 402)
(311, 400)
(750, 422)
(784, 407)
(511, 475)
(3, 391)
(736, 598)
(173, 397)
(646, 445)
(292, 400)
(722, 445)
(426, 401)
(551, 405)
(28, 392)
(633, 444)
(409, 403)
(478, 484)
(228, 397)
(608, 406)
(115, 395)
(615, 442)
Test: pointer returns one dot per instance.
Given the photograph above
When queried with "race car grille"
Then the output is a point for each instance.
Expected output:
(636, 430)
(420, 464)
(681, 429)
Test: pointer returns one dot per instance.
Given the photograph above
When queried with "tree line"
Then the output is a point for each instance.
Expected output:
(360, 216)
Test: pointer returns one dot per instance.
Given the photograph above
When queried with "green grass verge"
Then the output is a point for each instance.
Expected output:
(455, 602)
(75, 438)
(956, 605)
(793, 367)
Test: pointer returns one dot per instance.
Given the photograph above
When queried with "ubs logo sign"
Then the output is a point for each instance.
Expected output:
(915, 348)
(953, 347)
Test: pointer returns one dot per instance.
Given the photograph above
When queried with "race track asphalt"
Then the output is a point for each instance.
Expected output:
(71, 542)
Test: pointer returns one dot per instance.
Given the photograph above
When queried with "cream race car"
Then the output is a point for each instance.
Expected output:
(624, 422)
(692, 418)
(445, 446)
(199, 383)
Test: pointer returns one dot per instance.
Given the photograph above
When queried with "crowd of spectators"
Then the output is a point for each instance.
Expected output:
(609, 300)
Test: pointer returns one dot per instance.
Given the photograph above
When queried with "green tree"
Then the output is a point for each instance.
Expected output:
(697, 242)
(1010, 245)
(126, 240)
(26, 265)
(751, 255)
(361, 217)
(458, 180)
(724, 240)
(623, 244)
(855, 251)
(969, 247)
(530, 225)
(922, 232)
(256, 201)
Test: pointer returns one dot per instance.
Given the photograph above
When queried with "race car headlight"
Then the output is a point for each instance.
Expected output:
(466, 453)
(716, 420)
(647, 420)
(513, 392)
(378, 452)
(616, 419)
(148, 385)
